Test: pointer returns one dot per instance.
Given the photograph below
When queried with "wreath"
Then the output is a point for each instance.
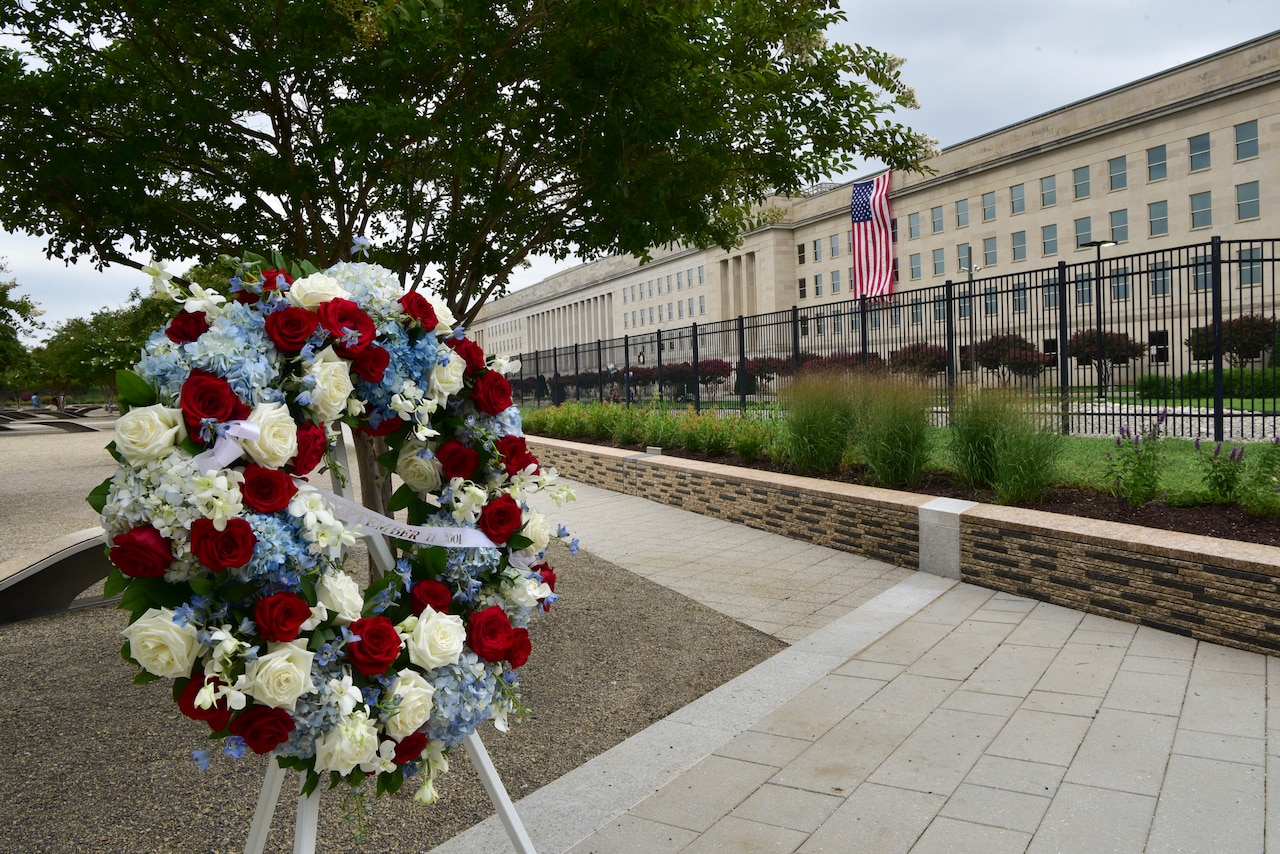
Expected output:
(231, 562)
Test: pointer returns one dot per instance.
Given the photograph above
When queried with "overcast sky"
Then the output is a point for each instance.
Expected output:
(975, 66)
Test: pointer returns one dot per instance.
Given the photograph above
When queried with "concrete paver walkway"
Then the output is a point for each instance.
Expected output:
(912, 714)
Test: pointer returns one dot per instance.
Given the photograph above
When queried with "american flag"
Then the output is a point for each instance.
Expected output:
(872, 238)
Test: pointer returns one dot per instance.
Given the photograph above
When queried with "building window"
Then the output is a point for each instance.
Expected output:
(670, 316)
(935, 219)
(913, 225)
(1201, 273)
(1247, 201)
(1080, 182)
(1120, 283)
(939, 262)
(1048, 191)
(917, 311)
(988, 251)
(691, 306)
(799, 253)
(1250, 267)
(988, 207)
(821, 324)
(802, 290)
(1049, 239)
(964, 305)
(817, 284)
(1084, 231)
(817, 250)
(804, 327)
(1161, 279)
(1158, 346)
(1020, 297)
(651, 288)
(837, 322)
(650, 314)
(991, 300)
(700, 274)
(1084, 288)
(624, 296)
(1199, 147)
(1247, 140)
(914, 261)
(680, 310)
(668, 284)
(835, 277)
(1019, 242)
(1051, 350)
(964, 257)
(835, 241)
(1157, 164)
(1120, 226)
(1050, 292)
(633, 319)
(939, 309)
(962, 213)
(895, 314)
(702, 305)
(1201, 210)
(680, 281)
(1017, 199)
(624, 320)
(659, 313)
(1117, 173)
(1158, 218)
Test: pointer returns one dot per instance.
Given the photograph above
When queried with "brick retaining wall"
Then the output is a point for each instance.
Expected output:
(1216, 590)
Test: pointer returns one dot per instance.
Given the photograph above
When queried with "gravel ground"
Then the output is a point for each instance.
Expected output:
(91, 762)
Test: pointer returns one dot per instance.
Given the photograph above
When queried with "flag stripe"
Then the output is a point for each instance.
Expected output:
(872, 238)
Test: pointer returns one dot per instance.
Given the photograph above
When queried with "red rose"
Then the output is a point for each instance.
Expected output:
(291, 327)
(371, 364)
(515, 455)
(266, 490)
(520, 648)
(500, 518)
(216, 716)
(410, 747)
(312, 443)
(432, 593)
(379, 645)
(548, 578)
(348, 323)
(418, 308)
(263, 728)
(457, 460)
(489, 633)
(229, 548)
(492, 393)
(470, 352)
(385, 427)
(273, 279)
(187, 326)
(205, 395)
(280, 616)
(141, 552)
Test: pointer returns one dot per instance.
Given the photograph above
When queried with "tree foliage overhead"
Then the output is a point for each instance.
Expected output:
(460, 136)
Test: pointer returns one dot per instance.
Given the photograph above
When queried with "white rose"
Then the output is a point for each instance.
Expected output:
(147, 433)
(332, 384)
(280, 677)
(436, 640)
(309, 292)
(444, 317)
(162, 646)
(537, 529)
(277, 440)
(527, 592)
(341, 595)
(352, 741)
(421, 473)
(415, 704)
(446, 380)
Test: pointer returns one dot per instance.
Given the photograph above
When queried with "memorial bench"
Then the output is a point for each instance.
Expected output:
(50, 579)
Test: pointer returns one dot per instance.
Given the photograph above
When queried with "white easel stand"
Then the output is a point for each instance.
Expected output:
(304, 832)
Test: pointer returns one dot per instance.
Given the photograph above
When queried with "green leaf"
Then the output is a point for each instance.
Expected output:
(144, 677)
(134, 390)
(402, 498)
(518, 541)
(191, 446)
(203, 586)
(98, 498)
(114, 452)
(313, 780)
(115, 584)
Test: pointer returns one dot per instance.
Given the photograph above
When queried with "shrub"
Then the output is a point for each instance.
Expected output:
(1243, 338)
(1133, 468)
(1117, 349)
(1259, 494)
(1222, 473)
(751, 439)
(1011, 355)
(995, 442)
(628, 426)
(920, 359)
(660, 428)
(1156, 387)
(817, 423)
(891, 428)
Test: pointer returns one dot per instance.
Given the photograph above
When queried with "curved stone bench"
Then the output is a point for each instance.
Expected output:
(48, 580)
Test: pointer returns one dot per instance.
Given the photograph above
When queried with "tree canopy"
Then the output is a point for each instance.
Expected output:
(460, 136)
(18, 315)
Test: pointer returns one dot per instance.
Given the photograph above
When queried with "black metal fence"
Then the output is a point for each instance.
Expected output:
(1111, 341)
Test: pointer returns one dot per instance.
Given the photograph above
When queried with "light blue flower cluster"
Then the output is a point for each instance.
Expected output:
(237, 348)
(463, 699)
(280, 556)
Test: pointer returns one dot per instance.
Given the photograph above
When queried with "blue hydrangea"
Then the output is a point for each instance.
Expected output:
(464, 694)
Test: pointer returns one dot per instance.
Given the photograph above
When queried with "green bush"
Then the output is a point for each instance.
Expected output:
(751, 439)
(996, 443)
(819, 416)
(660, 428)
(628, 426)
(1134, 468)
(1156, 387)
(1236, 382)
(1259, 494)
(891, 427)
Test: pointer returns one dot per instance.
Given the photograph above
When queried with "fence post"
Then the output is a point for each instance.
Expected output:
(742, 366)
(862, 310)
(1215, 258)
(626, 367)
(949, 292)
(795, 338)
(600, 368)
(1064, 370)
(577, 390)
(659, 366)
(697, 386)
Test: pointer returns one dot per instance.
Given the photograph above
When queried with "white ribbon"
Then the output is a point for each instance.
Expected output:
(227, 449)
(355, 514)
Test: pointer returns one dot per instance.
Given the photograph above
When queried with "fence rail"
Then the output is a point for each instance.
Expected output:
(1110, 341)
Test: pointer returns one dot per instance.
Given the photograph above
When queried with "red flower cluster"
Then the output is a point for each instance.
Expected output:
(516, 456)
(500, 518)
(205, 395)
(141, 552)
(492, 637)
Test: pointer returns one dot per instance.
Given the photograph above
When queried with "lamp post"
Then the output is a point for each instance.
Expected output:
(1097, 312)
(973, 344)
